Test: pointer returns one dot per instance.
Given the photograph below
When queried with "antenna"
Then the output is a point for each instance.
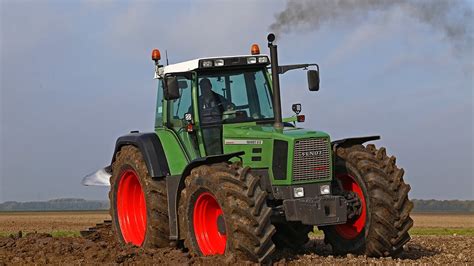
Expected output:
(166, 54)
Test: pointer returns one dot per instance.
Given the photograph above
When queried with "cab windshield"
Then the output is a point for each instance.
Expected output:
(234, 96)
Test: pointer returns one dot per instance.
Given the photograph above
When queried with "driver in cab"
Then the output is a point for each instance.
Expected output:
(211, 107)
(212, 104)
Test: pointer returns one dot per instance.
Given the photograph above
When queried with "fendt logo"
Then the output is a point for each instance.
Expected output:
(311, 153)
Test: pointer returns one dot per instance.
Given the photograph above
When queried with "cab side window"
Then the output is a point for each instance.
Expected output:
(159, 105)
(178, 107)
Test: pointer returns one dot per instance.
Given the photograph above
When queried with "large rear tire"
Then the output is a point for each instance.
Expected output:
(223, 210)
(382, 227)
(138, 204)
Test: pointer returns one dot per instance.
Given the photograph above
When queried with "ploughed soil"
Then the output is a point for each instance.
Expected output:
(101, 247)
(47, 222)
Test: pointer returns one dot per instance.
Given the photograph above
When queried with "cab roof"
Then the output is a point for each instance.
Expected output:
(215, 63)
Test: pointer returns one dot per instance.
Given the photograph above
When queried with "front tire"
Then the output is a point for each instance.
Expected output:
(382, 227)
(138, 204)
(223, 210)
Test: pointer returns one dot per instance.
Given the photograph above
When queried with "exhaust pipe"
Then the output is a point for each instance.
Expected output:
(275, 82)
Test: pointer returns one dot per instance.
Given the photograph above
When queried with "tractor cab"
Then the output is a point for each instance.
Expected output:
(197, 98)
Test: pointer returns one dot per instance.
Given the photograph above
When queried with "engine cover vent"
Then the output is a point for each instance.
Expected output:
(311, 159)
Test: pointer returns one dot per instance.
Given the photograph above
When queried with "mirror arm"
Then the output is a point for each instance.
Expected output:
(286, 68)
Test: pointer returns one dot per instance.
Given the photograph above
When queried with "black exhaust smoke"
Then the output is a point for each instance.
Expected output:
(453, 18)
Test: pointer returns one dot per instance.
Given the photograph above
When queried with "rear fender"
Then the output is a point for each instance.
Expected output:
(151, 148)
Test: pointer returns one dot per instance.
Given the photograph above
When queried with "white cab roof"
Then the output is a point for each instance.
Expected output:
(182, 67)
(194, 64)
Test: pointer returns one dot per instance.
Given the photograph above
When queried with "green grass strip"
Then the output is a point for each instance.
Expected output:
(425, 231)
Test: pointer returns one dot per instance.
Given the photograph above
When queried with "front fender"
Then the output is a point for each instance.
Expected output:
(347, 142)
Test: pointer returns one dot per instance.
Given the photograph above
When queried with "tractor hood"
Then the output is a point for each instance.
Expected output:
(265, 132)
(280, 150)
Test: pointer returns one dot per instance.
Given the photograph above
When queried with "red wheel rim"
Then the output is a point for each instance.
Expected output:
(206, 214)
(353, 228)
(131, 208)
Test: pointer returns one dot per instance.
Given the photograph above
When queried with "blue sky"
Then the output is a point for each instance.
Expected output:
(75, 75)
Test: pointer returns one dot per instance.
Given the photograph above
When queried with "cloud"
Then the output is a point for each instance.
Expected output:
(192, 30)
(25, 25)
(362, 37)
(99, 4)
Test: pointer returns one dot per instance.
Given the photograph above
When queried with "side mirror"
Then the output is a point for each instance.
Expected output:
(171, 88)
(313, 80)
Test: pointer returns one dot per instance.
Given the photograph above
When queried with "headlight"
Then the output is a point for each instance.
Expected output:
(263, 59)
(251, 60)
(219, 62)
(207, 63)
(325, 189)
(298, 192)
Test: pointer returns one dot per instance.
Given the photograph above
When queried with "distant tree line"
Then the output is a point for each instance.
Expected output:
(72, 204)
(55, 205)
(443, 205)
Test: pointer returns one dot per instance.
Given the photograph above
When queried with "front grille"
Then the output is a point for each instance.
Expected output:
(311, 159)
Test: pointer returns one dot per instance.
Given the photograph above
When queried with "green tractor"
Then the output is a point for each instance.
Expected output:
(224, 173)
